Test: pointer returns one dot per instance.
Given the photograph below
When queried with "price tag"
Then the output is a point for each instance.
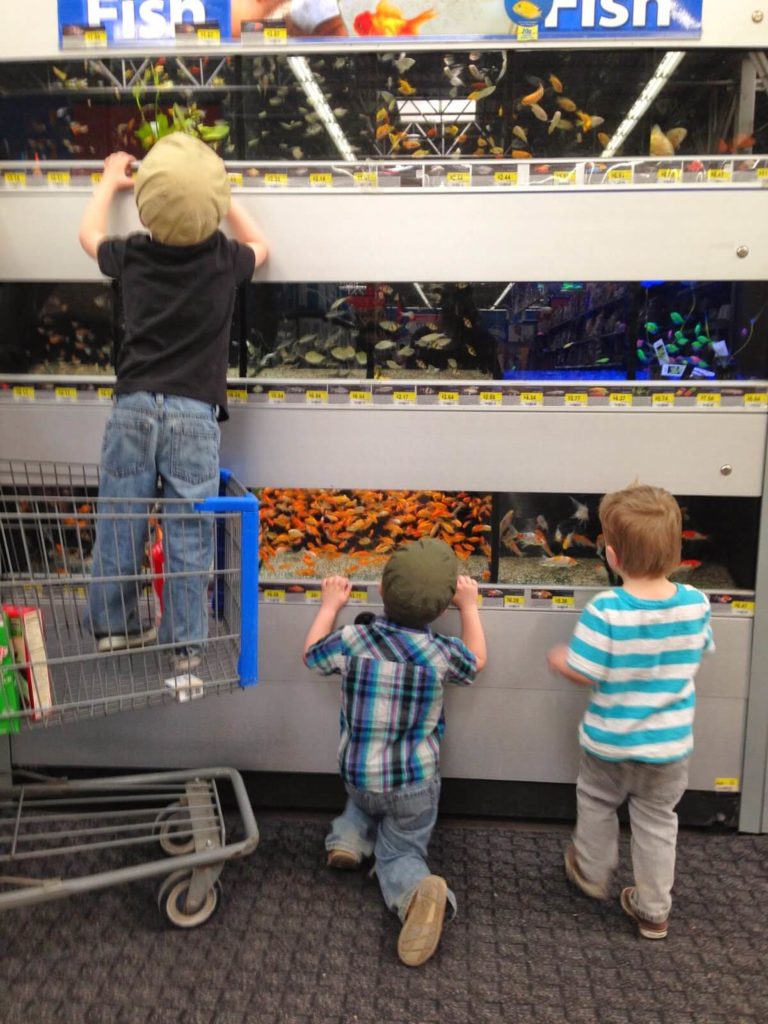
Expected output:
(743, 607)
(360, 397)
(531, 399)
(96, 177)
(577, 399)
(208, 34)
(323, 180)
(756, 401)
(275, 34)
(66, 394)
(719, 174)
(460, 179)
(620, 399)
(448, 398)
(95, 37)
(564, 177)
(726, 785)
(235, 178)
(369, 179)
(313, 595)
(238, 396)
(709, 400)
(563, 602)
(276, 180)
(663, 400)
(669, 175)
(275, 397)
(358, 597)
(621, 175)
(105, 394)
(15, 179)
(58, 179)
(490, 398)
(762, 173)
(317, 397)
(24, 393)
(505, 177)
(514, 601)
(527, 33)
(274, 596)
(404, 397)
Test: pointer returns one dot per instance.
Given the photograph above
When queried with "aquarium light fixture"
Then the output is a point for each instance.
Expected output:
(422, 296)
(314, 94)
(503, 295)
(651, 90)
(437, 111)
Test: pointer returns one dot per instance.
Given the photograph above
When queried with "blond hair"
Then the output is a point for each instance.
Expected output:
(643, 524)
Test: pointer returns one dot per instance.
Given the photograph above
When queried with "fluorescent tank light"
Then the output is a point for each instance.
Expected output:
(314, 94)
(651, 90)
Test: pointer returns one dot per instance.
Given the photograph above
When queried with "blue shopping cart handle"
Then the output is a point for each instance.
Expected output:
(244, 503)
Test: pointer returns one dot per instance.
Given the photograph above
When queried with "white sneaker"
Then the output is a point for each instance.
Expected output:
(125, 641)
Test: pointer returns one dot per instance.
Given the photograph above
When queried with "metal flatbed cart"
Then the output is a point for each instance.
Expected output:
(54, 671)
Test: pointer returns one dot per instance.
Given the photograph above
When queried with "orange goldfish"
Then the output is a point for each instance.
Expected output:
(388, 20)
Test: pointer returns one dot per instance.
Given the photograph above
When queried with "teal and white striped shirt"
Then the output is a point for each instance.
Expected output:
(642, 657)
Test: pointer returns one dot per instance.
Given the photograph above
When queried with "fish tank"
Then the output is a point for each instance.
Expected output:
(387, 106)
(563, 330)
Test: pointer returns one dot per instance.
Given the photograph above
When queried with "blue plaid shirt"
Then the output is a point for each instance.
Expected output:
(392, 718)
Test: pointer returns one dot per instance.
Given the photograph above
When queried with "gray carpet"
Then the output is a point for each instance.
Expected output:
(294, 943)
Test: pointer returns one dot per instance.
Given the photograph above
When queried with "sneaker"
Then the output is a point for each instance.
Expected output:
(423, 923)
(648, 929)
(125, 641)
(344, 860)
(595, 890)
(185, 663)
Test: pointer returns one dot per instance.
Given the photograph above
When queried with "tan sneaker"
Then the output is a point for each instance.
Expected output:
(598, 891)
(343, 860)
(648, 929)
(423, 923)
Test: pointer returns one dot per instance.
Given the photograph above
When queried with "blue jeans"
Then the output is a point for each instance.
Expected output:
(155, 446)
(396, 828)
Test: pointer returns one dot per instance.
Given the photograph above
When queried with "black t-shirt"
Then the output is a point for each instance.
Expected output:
(178, 303)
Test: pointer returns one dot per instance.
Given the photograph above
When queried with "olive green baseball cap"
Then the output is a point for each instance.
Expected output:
(419, 582)
(182, 190)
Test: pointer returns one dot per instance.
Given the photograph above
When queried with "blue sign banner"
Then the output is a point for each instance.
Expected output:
(133, 22)
(593, 19)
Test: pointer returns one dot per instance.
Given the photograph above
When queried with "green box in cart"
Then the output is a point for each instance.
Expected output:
(9, 689)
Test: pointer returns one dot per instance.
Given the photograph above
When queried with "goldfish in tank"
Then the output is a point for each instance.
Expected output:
(389, 20)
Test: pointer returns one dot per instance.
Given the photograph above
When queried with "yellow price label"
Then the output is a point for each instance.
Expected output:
(759, 401)
(275, 35)
(95, 37)
(367, 178)
(726, 785)
(527, 33)
(66, 394)
(621, 175)
(709, 400)
(105, 393)
(762, 173)
(235, 178)
(317, 397)
(24, 392)
(276, 596)
(404, 397)
(58, 178)
(462, 178)
(321, 180)
(719, 174)
(743, 607)
(669, 174)
(360, 397)
(209, 35)
(531, 398)
(313, 595)
(662, 400)
(448, 397)
(564, 177)
(514, 601)
(620, 399)
(96, 177)
(577, 398)
(490, 398)
(505, 177)
(359, 596)
(276, 179)
(238, 395)
(15, 179)
(275, 396)
(563, 602)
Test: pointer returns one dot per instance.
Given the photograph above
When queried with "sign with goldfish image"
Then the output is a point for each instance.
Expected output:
(132, 22)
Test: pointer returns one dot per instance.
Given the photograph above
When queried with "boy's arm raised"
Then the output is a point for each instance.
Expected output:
(336, 591)
(244, 229)
(116, 178)
(472, 632)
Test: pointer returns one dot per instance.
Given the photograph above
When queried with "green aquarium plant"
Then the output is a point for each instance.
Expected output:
(177, 118)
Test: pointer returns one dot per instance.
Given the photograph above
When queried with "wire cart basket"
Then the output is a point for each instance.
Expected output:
(181, 604)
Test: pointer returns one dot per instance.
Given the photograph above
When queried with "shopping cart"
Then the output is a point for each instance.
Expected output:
(53, 670)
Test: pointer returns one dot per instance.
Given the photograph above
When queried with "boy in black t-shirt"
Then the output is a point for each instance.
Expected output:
(162, 439)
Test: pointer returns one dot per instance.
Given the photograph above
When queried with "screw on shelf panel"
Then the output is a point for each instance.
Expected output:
(757, 17)
(727, 469)
(742, 251)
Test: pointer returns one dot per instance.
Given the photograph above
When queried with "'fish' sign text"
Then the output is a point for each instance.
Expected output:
(146, 19)
(614, 13)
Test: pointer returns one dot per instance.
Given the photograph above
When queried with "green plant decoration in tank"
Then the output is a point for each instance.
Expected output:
(177, 118)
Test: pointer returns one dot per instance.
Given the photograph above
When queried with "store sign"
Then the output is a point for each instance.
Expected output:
(129, 22)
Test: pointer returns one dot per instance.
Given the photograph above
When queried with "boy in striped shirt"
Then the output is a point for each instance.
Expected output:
(639, 647)
(393, 671)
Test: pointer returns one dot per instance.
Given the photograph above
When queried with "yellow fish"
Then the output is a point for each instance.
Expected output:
(555, 82)
(533, 97)
(405, 88)
(525, 9)
(565, 104)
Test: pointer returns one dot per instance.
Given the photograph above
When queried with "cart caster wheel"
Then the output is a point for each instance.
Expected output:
(171, 896)
(170, 821)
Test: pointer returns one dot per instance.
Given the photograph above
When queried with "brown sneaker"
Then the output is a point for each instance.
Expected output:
(423, 923)
(648, 929)
(573, 873)
(343, 860)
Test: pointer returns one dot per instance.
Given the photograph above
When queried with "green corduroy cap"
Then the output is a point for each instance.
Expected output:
(419, 582)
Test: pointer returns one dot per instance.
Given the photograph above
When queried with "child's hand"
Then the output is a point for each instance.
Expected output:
(557, 659)
(466, 593)
(335, 592)
(117, 171)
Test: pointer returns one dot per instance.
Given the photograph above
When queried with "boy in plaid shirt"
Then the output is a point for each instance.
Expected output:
(392, 721)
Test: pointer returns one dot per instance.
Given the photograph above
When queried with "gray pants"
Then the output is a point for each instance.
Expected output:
(653, 790)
